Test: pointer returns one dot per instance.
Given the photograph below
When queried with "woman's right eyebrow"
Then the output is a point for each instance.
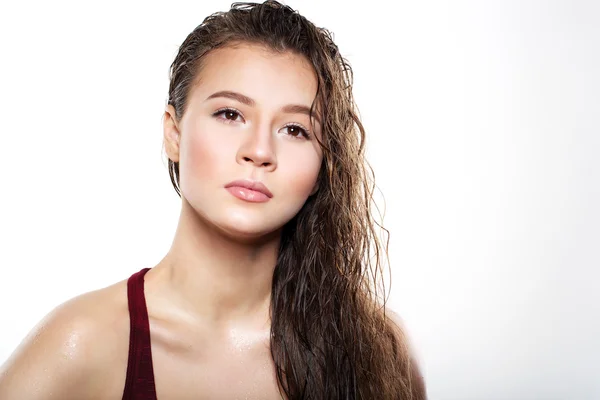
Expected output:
(233, 95)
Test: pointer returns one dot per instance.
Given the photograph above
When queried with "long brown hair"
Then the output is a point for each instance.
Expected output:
(330, 338)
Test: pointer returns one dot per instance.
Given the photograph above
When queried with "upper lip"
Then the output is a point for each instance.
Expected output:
(253, 185)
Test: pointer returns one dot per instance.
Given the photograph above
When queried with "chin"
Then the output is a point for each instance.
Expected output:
(246, 227)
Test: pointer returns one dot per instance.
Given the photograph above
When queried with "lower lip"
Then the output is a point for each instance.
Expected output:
(248, 194)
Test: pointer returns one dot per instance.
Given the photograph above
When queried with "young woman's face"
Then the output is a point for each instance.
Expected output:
(246, 119)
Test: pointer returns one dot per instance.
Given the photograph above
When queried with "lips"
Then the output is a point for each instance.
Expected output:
(251, 185)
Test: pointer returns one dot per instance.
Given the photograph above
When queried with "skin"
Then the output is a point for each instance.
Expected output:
(208, 298)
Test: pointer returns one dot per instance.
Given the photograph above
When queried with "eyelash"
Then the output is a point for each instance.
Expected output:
(305, 132)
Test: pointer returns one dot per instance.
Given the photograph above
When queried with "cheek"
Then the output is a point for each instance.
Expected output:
(202, 161)
(300, 176)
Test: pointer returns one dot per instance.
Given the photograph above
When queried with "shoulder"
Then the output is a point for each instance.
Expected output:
(399, 328)
(70, 346)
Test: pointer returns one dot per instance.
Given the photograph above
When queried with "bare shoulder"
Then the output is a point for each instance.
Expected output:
(69, 351)
(419, 391)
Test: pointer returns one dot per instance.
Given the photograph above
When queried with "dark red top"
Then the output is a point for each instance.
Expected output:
(139, 384)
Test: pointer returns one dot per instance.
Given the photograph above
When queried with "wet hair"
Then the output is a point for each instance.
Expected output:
(330, 335)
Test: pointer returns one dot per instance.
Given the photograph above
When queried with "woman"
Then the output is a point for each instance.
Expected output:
(269, 288)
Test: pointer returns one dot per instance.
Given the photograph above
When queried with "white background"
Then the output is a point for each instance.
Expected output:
(483, 126)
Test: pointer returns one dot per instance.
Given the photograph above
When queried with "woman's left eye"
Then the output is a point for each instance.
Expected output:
(296, 131)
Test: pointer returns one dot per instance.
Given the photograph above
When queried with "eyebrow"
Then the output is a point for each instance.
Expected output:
(289, 109)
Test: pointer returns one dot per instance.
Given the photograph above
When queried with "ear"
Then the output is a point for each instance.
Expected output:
(315, 188)
(171, 134)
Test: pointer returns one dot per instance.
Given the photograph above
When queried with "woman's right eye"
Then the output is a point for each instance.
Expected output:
(228, 114)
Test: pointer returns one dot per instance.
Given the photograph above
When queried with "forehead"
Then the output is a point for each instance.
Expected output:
(270, 78)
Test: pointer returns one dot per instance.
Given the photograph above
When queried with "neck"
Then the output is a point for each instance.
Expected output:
(214, 278)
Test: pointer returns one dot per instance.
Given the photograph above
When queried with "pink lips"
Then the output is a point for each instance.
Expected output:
(249, 190)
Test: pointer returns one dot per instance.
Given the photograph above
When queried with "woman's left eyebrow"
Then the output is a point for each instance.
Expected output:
(289, 109)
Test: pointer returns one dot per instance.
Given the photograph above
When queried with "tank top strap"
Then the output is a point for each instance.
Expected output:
(139, 384)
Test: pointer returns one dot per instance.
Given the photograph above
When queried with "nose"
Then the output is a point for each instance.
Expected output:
(258, 148)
